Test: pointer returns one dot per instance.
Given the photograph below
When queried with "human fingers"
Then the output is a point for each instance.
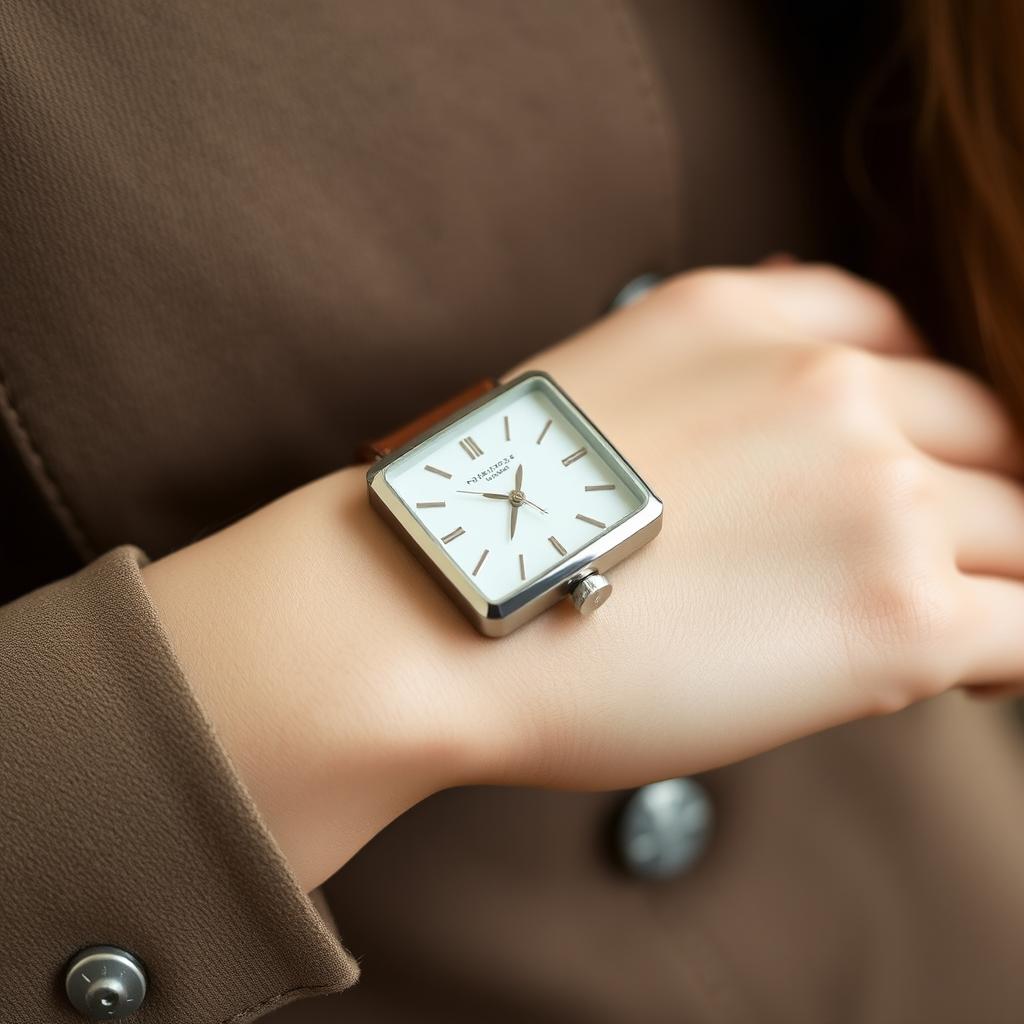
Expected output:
(950, 415)
(835, 306)
(986, 518)
(992, 645)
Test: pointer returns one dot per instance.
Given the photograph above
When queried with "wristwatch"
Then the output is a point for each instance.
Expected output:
(513, 500)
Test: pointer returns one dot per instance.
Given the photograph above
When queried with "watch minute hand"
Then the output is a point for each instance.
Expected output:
(486, 494)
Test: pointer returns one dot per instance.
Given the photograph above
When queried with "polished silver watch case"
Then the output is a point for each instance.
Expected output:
(608, 549)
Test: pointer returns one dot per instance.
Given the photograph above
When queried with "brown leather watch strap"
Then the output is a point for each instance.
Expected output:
(370, 451)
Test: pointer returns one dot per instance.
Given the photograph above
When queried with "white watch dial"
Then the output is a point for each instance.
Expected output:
(461, 485)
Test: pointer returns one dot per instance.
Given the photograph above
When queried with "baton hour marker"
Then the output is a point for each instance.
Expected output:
(487, 551)
(556, 545)
(471, 448)
(449, 537)
(544, 431)
(574, 457)
(587, 519)
(439, 472)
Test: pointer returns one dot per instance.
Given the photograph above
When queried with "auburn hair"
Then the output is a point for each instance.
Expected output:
(971, 151)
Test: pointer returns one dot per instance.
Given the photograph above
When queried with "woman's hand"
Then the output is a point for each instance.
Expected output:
(843, 535)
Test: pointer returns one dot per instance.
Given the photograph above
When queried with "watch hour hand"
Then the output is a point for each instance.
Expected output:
(519, 477)
(515, 517)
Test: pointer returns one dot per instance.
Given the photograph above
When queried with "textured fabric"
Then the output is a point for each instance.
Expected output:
(233, 208)
(239, 238)
(123, 823)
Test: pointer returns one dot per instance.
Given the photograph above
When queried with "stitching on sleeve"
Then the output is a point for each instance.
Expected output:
(269, 1004)
(44, 477)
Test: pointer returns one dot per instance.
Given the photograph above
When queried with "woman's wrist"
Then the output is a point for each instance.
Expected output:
(328, 666)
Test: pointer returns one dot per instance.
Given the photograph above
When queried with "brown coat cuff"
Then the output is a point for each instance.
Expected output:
(122, 822)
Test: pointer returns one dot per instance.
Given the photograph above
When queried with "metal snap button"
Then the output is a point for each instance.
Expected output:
(635, 289)
(105, 983)
(664, 828)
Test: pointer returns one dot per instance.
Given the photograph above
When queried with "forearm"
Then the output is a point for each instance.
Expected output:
(342, 683)
(314, 644)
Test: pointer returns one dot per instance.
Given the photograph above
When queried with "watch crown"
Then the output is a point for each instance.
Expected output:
(590, 593)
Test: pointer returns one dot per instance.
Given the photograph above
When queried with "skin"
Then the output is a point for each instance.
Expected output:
(843, 537)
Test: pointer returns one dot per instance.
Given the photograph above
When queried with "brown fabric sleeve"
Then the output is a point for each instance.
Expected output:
(122, 822)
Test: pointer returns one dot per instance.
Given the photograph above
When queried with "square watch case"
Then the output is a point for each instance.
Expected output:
(514, 502)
